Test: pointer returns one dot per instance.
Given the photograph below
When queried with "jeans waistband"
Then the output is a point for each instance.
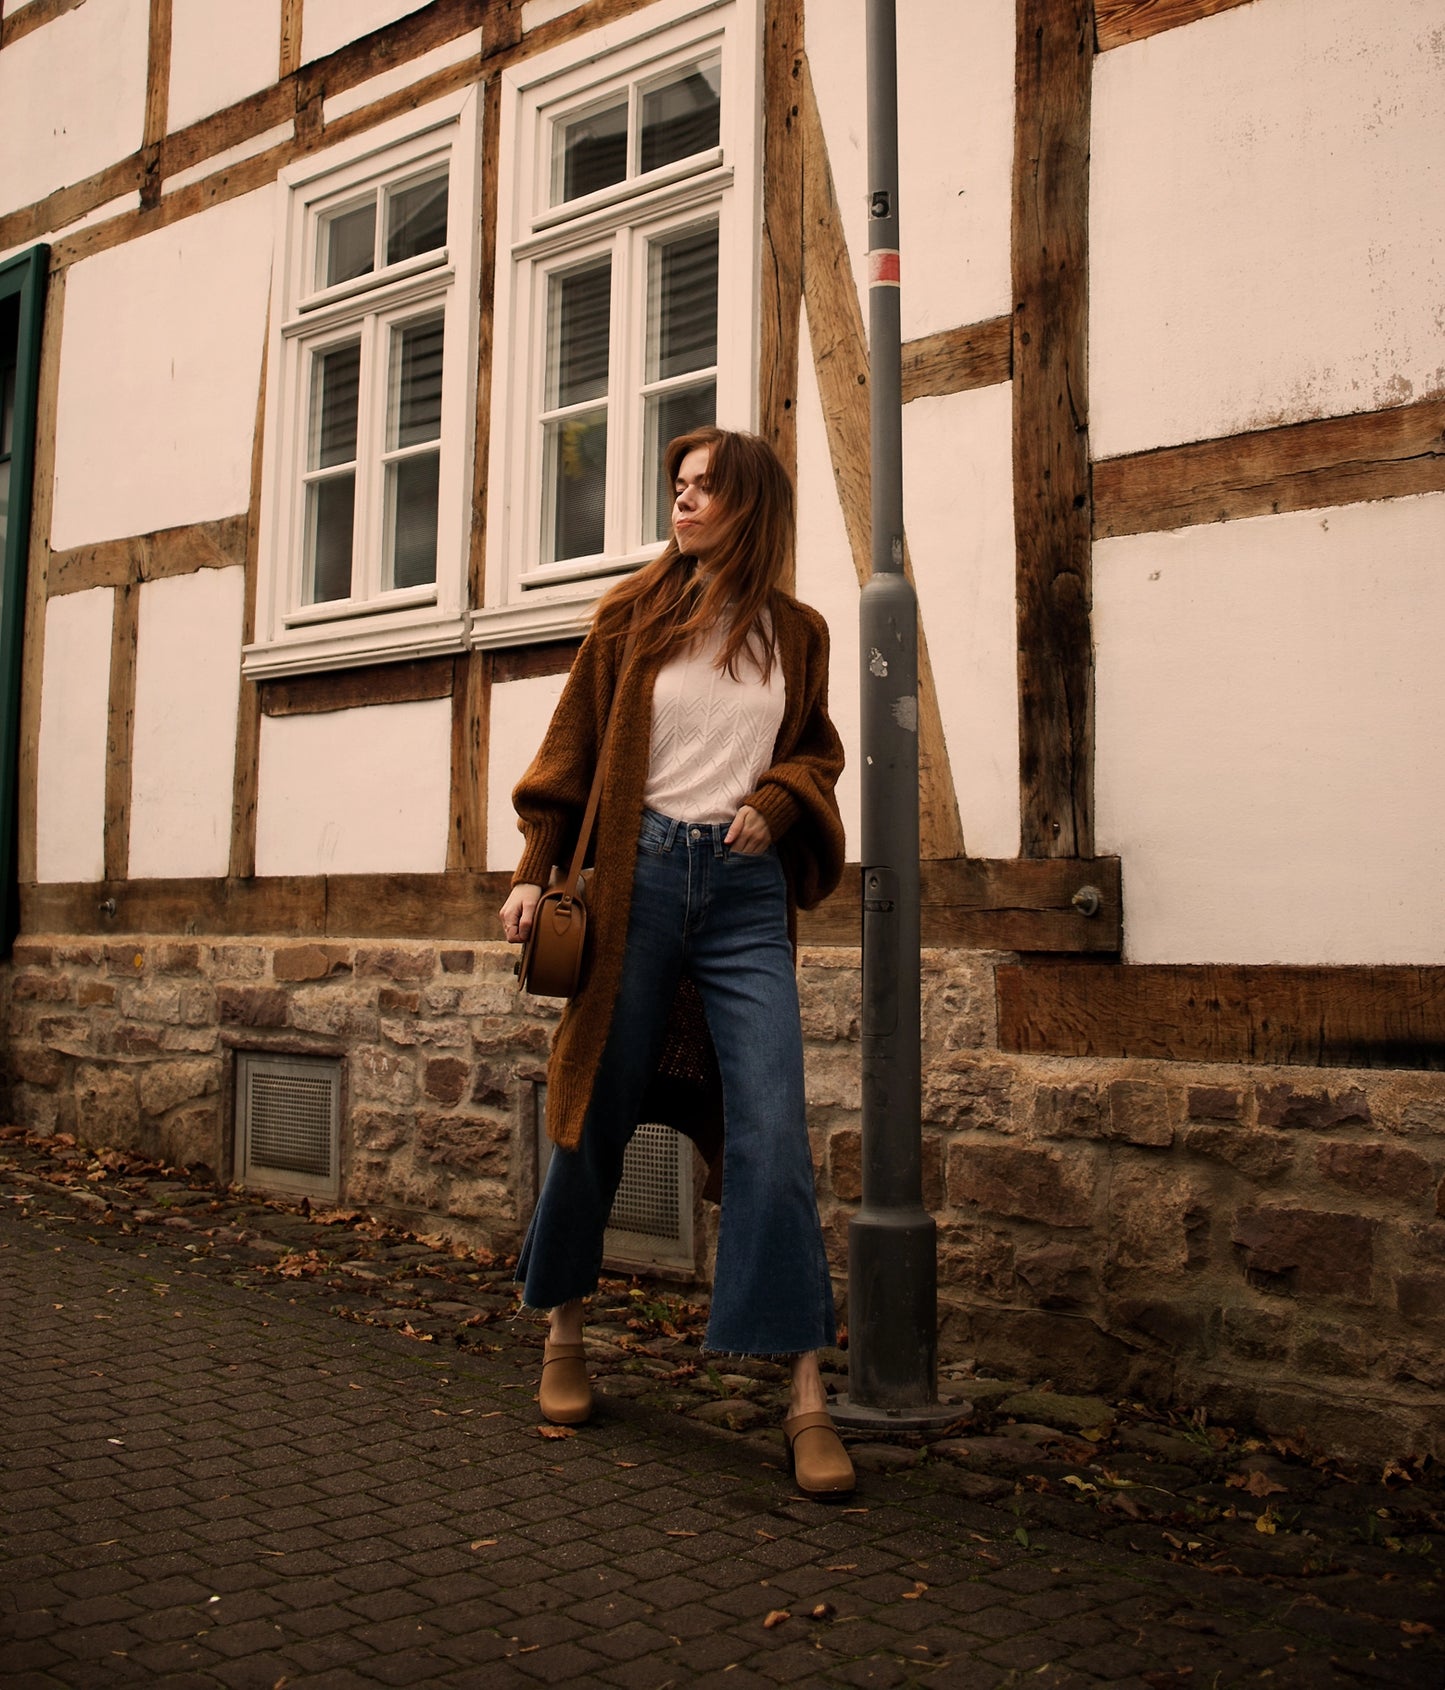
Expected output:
(664, 832)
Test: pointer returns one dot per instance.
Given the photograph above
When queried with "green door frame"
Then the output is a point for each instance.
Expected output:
(22, 279)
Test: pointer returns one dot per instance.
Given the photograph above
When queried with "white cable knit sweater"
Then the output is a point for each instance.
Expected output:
(712, 736)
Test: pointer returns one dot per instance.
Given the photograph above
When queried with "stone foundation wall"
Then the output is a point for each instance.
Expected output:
(1267, 1244)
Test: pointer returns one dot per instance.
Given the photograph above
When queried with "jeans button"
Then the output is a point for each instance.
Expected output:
(695, 834)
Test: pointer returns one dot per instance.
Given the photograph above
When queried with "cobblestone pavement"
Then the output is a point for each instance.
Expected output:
(252, 1447)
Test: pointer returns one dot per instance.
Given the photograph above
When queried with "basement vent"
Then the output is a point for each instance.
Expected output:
(288, 1124)
(652, 1212)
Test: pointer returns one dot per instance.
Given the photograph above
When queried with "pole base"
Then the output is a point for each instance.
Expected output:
(926, 1417)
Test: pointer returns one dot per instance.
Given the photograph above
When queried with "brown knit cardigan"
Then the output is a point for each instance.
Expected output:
(794, 796)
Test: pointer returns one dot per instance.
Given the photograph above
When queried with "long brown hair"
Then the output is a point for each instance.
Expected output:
(750, 517)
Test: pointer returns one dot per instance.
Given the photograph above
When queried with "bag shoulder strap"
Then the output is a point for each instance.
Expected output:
(589, 815)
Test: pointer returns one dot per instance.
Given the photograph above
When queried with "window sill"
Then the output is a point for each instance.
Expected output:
(345, 645)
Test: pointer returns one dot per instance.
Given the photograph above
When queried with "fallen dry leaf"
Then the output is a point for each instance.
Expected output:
(556, 1432)
(842, 1567)
(1257, 1484)
(1265, 1523)
(483, 1543)
(1417, 1628)
(824, 1611)
(918, 1589)
(776, 1616)
(767, 1537)
(681, 1534)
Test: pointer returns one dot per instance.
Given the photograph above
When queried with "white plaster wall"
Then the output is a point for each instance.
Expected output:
(219, 54)
(1265, 229)
(521, 711)
(188, 669)
(364, 791)
(72, 98)
(160, 361)
(958, 509)
(74, 705)
(955, 148)
(827, 580)
(329, 24)
(1271, 727)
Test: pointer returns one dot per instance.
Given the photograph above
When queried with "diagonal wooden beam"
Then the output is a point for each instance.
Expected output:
(840, 360)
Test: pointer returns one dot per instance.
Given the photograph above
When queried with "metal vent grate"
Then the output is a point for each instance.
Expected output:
(651, 1222)
(288, 1123)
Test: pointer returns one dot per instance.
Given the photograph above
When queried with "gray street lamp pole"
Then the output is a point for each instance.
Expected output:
(892, 1265)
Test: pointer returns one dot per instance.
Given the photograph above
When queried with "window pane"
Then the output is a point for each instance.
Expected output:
(335, 388)
(411, 518)
(350, 244)
(575, 471)
(682, 117)
(668, 415)
(416, 219)
(590, 153)
(579, 309)
(330, 514)
(7, 409)
(414, 398)
(682, 305)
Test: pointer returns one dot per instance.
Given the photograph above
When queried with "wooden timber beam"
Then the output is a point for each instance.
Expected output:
(1299, 466)
(246, 774)
(840, 361)
(120, 730)
(1311, 1017)
(150, 557)
(1004, 905)
(15, 26)
(1054, 65)
(289, 57)
(956, 360)
(158, 82)
(407, 682)
(1118, 22)
(782, 275)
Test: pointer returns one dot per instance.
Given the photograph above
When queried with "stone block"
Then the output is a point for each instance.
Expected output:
(1283, 1106)
(1377, 1170)
(833, 1078)
(1022, 1181)
(177, 959)
(1420, 1298)
(845, 1165)
(150, 1000)
(334, 1010)
(1158, 1221)
(129, 1040)
(492, 1086)
(310, 962)
(382, 1075)
(1139, 1113)
(198, 1005)
(392, 962)
(958, 1007)
(468, 1144)
(978, 1257)
(931, 1157)
(1076, 1111)
(1214, 1103)
(398, 999)
(35, 1064)
(1257, 1335)
(458, 962)
(65, 956)
(33, 987)
(107, 1110)
(409, 1030)
(1260, 1154)
(498, 995)
(127, 960)
(71, 1035)
(445, 1078)
(195, 1039)
(251, 1006)
(1057, 1275)
(968, 1091)
(1305, 1252)
(1348, 1352)
(441, 1000)
(380, 1131)
(25, 953)
(510, 1033)
(191, 1138)
(239, 962)
(1173, 1325)
(90, 993)
(163, 1086)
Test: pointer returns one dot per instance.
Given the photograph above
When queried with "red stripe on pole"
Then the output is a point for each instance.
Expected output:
(883, 268)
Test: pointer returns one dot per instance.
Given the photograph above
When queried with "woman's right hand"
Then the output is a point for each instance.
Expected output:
(518, 910)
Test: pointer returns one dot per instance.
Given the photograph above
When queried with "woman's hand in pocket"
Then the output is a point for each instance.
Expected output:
(518, 910)
(749, 833)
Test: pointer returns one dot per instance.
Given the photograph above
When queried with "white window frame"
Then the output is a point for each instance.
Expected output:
(528, 599)
(293, 637)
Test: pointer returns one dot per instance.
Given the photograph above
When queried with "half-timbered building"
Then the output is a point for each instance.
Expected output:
(338, 339)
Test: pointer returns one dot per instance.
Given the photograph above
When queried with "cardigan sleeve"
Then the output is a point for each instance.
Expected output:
(795, 796)
(551, 796)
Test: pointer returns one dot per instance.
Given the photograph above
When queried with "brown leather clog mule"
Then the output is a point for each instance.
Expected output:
(820, 1464)
(565, 1393)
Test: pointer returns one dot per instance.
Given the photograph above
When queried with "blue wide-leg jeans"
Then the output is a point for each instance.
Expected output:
(718, 916)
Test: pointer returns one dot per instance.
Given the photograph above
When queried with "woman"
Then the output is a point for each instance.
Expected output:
(717, 819)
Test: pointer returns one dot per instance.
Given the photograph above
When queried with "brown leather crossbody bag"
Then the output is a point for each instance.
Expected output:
(550, 965)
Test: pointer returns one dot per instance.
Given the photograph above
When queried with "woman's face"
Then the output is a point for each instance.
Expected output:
(690, 503)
